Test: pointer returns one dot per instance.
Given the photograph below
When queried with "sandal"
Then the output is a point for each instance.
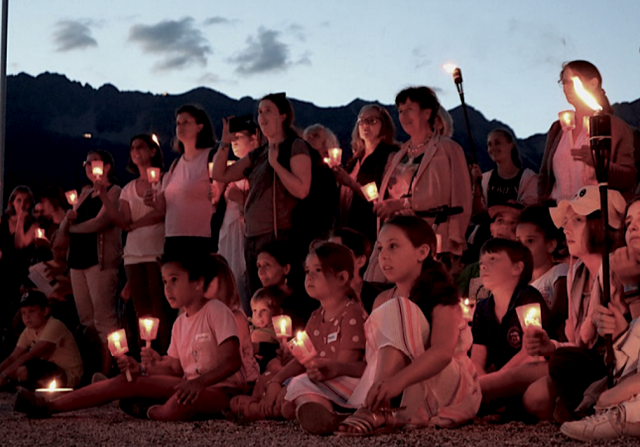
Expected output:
(364, 422)
(316, 419)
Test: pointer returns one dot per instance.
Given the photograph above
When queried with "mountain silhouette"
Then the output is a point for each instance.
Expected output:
(49, 120)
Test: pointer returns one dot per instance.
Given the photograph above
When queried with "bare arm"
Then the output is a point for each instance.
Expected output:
(479, 358)
(298, 180)
(102, 220)
(227, 174)
(40, 350)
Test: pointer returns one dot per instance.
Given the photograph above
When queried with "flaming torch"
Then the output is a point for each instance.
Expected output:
(600, 142)
(455, 71)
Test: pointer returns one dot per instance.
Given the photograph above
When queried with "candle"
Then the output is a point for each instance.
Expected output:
(335, 157)
(467, 309)
(97, 168)
(117, 343)
(154, 137)
(210, 165)
(302, 347)
(153, 175)
(39, 233)
(72, 197)
(148, 329)
(529, 315)
(567, 120)
(53, 391)
(282, 326)
(327, 160)
(370, 191)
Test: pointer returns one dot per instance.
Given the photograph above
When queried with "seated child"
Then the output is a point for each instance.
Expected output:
(537, 232)
(45, 351)
(265, 304)
(309, 391)
(503, 365)
(201, 371)
(504, 220)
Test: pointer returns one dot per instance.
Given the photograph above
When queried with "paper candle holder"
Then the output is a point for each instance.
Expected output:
(153, 175)
(567, 120)
(282, 326)
(148, 328)
(302, 348)
(370, 191)
(335, 157)
(529, 315)
(72, 197)
(97, 168)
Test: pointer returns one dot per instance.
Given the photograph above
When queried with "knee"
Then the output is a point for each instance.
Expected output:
(538, 402)
(288, 410)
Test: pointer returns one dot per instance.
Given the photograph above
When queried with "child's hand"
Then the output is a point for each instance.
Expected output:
(381, 393)
(626, 265)
(537, 342)
(149, 198)
(268, 404)
(320, 370)
(72, 215)
(149, 357)
(126, 363)
(609, 321)
(189, 391)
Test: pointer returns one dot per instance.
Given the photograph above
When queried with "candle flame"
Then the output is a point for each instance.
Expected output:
(40, 233)
(466, 301)
(585, 95)
(370, 191)
(53, 385)
(283, 326)
(449, 67)
(327, 160)
(115, 336)
(532, 317)
(154, 137)
(148, 324)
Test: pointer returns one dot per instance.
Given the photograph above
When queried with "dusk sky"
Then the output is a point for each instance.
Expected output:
(330, 52)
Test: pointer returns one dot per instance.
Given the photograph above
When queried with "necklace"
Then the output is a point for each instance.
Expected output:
(414, 151)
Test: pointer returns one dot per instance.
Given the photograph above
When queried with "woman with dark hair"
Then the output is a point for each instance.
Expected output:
(509, 181)
(145, 237)
(185, 199)
(54, 207)
(417, 370)
(567, 164)
(95, 252)
(279, 174)
(428, 172)
(372, 142)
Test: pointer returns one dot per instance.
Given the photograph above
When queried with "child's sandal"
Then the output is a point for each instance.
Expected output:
(316, 419)
(364, 422)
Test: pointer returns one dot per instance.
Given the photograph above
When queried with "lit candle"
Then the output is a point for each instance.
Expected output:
(282, 326)
(302, 347)
(529, 315)
(467, 309)
(72, 197)
(230, 162)
(154, 137)
(148, 329)
(97, 168)
(153, 175)
(210, 165)
(327, 160)
(117, 343)
(53, 391)
(335, 157)
(370, 191)
(39, 233)
(567, 120)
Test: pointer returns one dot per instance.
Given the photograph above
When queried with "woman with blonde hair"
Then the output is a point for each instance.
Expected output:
(372, 142)
(320, 138)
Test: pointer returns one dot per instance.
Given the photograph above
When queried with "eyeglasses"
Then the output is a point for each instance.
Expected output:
(368, 121)
(86, 163)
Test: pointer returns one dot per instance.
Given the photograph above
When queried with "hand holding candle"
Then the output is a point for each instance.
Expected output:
(282, 326)
(148, 329)
(335, 157)
(567, 120)
(467, 309)
(117, 343)
(302, 348)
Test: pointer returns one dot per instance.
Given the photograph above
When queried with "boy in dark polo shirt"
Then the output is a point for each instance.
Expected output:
(504, 368)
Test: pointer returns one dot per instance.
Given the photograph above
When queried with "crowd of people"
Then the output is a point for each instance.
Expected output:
(404, 271)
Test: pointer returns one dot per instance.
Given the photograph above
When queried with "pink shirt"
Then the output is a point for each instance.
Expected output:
(570, 175)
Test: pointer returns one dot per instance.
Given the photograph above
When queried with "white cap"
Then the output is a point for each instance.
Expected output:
(587, 201)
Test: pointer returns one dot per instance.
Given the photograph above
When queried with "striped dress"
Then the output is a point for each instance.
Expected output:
(450, 398)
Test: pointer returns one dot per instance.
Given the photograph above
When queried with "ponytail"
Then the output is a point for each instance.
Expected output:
(434, 286)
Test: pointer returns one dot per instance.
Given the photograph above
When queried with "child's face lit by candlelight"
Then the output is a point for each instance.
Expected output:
(261, 314)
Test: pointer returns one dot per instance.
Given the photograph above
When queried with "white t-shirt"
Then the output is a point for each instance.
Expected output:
(195, 340)
(570, 175)
(185, 189)
(545, 283)
(144, 244)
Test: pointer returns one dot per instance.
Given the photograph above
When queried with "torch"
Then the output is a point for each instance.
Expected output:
(457, 79)
(600, 142)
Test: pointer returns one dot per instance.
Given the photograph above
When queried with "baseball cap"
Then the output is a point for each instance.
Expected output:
(34, 298)
(587, 201)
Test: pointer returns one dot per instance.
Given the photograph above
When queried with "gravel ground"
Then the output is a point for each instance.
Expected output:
(108, 426)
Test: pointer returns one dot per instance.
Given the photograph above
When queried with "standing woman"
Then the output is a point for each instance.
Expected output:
(509, 181)
(372, 142)
(145, 238)
(95, 252)
(567, 164)
(279, 174)
(184, 201)
(429, 171)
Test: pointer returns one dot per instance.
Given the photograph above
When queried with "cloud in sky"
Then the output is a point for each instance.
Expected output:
(218, 20)
(263, 53)
(178, 41)
(73, 35)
